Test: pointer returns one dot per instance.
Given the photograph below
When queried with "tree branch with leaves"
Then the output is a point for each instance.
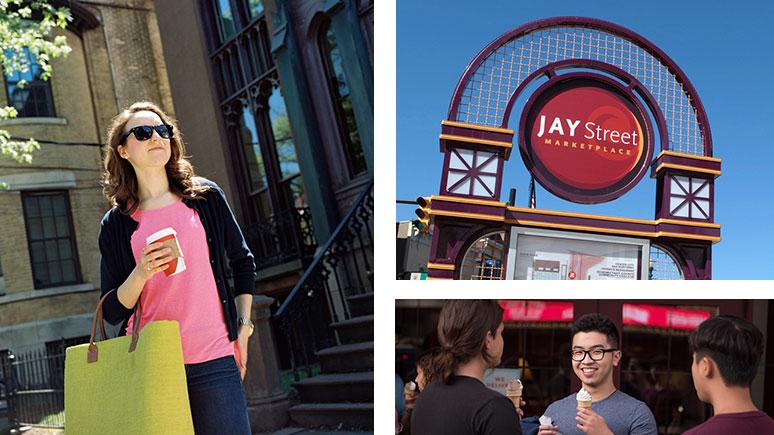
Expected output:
(25, 37)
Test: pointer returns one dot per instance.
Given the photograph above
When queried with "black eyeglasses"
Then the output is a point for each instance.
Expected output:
(594, 354)
(145, 132)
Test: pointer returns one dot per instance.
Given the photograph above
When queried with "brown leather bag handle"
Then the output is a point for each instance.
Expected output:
(92, 354)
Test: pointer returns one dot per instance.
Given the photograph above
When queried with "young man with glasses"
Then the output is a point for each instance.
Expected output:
(594, 354)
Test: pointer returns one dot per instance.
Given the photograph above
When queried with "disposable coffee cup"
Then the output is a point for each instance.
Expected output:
(168, 236)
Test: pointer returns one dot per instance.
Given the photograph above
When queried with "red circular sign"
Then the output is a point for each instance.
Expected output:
(586, 140)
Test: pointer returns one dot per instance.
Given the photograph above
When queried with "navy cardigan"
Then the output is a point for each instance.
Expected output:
(225, 242)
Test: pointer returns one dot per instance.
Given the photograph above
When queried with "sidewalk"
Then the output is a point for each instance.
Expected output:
(305, 431)
(285, 431)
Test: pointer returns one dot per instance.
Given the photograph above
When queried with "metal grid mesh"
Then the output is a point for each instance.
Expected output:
(485, 259)
(663, 266)
(486, 95)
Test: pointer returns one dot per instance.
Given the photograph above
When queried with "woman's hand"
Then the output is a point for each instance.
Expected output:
(154, 258)
(409, 399)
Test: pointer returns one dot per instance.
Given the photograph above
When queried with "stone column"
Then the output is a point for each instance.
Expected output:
(267, 403)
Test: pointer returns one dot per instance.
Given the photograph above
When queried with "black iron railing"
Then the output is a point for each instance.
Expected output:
(343, 268)
(286, 236)
(34, 388)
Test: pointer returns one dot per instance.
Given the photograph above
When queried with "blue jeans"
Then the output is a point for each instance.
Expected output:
(217, 397)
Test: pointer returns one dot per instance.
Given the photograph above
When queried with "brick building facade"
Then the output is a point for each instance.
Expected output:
(315, 157)
(50, 261)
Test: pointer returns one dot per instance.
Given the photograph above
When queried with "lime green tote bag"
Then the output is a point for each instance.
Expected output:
(128, 385)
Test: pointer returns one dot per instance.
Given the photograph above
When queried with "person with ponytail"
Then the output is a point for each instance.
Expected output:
(457, 402)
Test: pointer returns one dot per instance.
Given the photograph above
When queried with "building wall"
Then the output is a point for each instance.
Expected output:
(190, 79)
(319, 143)
(110, 67)
(193, 84)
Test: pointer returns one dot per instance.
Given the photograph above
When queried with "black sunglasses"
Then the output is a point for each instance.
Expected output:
(144, 132)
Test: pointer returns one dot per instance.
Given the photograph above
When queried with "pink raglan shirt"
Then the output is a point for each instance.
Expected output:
(190, 297)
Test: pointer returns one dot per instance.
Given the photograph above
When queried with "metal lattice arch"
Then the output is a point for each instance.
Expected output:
(476, 141)
(486, 90)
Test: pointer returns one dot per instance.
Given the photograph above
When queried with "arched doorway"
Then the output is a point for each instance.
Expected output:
(485, 258)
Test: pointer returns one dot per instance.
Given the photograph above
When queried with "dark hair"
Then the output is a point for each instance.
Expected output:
(462, 331)
(595, 322)
(119, 181)
(425, 362)
(735, 345)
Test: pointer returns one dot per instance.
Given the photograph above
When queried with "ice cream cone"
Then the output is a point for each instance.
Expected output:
(410, 389)
(584, 398)
(513, 391)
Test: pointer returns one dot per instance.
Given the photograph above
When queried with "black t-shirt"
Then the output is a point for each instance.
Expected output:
(463, 407)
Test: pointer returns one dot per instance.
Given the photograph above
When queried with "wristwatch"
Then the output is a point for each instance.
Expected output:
(246, 321)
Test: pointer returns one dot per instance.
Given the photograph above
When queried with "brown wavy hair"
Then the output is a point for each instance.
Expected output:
(462, 329)
(119, 181)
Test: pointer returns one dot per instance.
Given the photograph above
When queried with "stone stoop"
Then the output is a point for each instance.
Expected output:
(341, 396)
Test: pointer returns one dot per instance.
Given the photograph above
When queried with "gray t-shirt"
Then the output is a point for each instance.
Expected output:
(623, 414)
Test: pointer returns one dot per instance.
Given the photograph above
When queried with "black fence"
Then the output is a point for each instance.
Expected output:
(33, 388)
(343, 268)
(284, 237)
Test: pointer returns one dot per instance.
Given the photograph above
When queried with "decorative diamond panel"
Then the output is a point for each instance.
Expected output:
(690, 198)
(472, 173)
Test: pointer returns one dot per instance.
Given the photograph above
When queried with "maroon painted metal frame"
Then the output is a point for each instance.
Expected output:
(637, 40)
(484, 100)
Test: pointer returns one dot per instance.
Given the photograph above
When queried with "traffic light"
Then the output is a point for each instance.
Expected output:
(423, 223)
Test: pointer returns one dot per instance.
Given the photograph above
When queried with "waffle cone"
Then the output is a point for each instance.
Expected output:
(584, 404)
(514, 395)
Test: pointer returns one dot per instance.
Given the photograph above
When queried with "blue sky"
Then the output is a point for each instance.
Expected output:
(724, 48)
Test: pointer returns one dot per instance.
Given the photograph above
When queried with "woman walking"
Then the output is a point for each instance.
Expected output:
(151, 187)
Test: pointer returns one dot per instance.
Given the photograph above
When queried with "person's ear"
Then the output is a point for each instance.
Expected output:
(488, 340)
(617, 357)
(708, 368)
